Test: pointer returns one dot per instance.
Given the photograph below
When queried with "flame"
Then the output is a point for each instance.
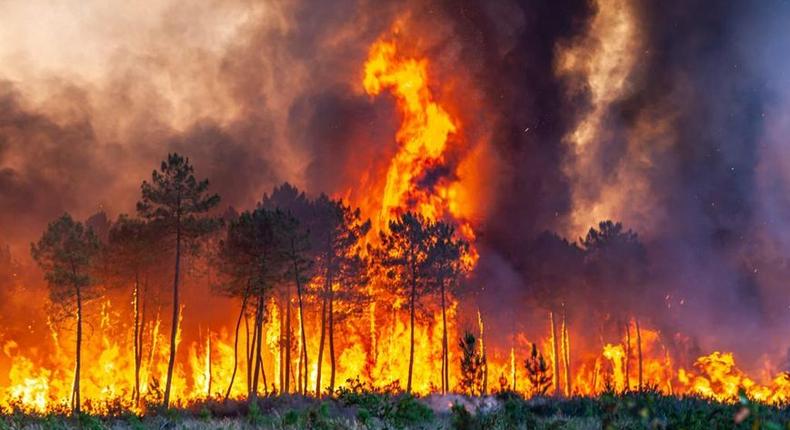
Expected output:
(370, 346)
(426, 132)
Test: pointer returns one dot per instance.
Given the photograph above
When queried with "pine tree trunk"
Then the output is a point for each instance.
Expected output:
(236, 346)
(556, 352)
(249, 351)
(567, 348)
(176, 311)
(263, 371)
(445, 358)
(76, 391)
(412, 298)
(484, 388)
(639, 351)
(137, 356)
(141, 336)
(287, 385)
(321, 349)
(332, 363)
(627, 356)
(258, 341)
(301, 325)
(208, 359)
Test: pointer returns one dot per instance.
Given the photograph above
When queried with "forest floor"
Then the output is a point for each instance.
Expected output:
(378, 410)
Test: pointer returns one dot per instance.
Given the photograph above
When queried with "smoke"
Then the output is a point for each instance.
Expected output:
(670, 117)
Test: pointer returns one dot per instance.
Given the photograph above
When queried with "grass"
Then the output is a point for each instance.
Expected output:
(362, 408)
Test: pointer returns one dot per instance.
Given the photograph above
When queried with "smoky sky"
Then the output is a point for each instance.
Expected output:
(271, 93)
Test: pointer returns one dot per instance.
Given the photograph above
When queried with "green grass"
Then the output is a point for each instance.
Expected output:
(361, 408)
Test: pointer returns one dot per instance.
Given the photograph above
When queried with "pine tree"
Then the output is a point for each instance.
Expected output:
(538, 372)
(176, 204)
(130, 256)
(472, 365)
(66, 253)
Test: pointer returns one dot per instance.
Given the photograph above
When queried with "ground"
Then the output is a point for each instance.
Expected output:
(379, 410)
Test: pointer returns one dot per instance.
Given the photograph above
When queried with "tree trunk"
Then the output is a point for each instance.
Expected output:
(250, 349)
(639, 351)
(176, 311)
(484, 388)
(301, 323)
(236, 346)
(445, 357)
(567, 348)
(627, 356)
(208, 360)
(76, 391)
(258, 361)
(287, 342)
(321, 349)
(263, 374)
(412, 299)
(137, 356)
(556, 352)
(332, 363)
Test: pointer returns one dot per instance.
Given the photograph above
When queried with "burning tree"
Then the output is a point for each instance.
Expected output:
(616, 261)
(420, 257)
(404, 253)
(338, 231)
(252, 262)
(473, 364)
(552, 273)
(297, 213)
(66, 253)
(446, 259)
(175, 203)
(538, 372)
(131, 255)
(295, 244)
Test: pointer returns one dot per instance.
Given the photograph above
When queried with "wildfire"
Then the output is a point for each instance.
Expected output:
(370, 346)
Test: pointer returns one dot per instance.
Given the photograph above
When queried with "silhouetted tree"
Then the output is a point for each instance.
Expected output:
(66, 253)
(252, 262)
(446, 260)
(553, 272)
(337, 232)
(296, 244)
(297, 210)
(176, 203)
(131, 254)
(616, 262)
(404, 254)
(473, 363)
(538, 372)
